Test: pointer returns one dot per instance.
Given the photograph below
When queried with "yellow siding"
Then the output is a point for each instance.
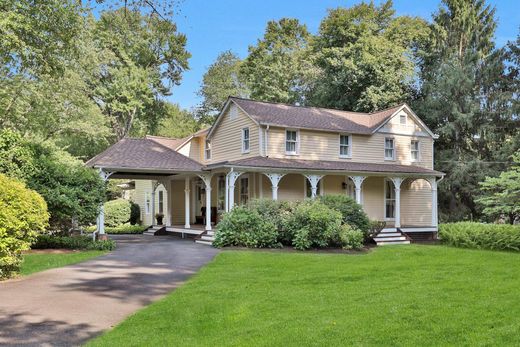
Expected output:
(226, 140)
(291, 187)
(373, 197)
(416, 203)
(332, 185)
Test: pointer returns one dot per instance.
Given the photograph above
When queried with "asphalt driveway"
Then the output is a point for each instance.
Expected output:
(69, 305)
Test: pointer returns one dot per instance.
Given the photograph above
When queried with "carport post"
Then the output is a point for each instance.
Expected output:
(187, 203)
(101, 216)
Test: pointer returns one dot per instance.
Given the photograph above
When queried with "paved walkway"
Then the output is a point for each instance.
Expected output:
(69, 305)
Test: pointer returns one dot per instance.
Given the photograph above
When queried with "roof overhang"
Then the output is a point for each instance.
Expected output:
(413, 115)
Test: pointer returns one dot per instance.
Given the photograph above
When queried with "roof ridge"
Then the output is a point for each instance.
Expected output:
(162, 137)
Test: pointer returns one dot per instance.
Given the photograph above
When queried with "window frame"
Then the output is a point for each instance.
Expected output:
(393, 148)
(147, 202)
(207, 149)
(296, 142)
(160, 201)
(221, 193)
(389, 182)
(412, 150)
(349, 146)
(244, 140)
(241, 185)
(405, 119)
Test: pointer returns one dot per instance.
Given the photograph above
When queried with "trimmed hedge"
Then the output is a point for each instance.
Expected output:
(121, 229)
(117, 212)
(72, 242)
(481, 236)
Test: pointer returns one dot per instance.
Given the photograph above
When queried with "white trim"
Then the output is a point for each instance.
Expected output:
(384, 199)
(244, 150)
(350, 139)
(147, 202)
(223, 111)
(297, 142)
(405, 119)
(206, 157)
(418, 151)
(411, 114)
(393, 148)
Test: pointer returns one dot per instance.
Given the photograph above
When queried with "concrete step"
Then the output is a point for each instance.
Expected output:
(211, 232)
(389, 230)
(396, 238)
(388, 234)
(207, 238)
(209, 243)
(387, 243)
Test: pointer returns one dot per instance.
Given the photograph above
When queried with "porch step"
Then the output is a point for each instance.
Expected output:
(155, 230)
(209, 243)
(393, 243)
(207, 238)
(383, 239)
(391, 236)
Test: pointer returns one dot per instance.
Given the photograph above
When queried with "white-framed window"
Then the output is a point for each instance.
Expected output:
(245, 140)
(389, 200)
(244, 189)
(221, 193)
(345, 146)
(291, 142)
(389, 148)
(415, 150)
(207, 150)
(147, 203)
(161, 201)
(402, 119)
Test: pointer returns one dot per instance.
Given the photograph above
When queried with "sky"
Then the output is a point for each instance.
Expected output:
(213, 26)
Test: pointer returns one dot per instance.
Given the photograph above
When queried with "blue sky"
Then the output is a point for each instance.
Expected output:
(213, 26)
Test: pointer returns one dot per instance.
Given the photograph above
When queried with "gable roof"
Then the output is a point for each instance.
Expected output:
(147, 153)
(168, 142)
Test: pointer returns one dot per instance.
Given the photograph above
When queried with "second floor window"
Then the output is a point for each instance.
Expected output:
(245, 140)
(414, 153)
(344, 146)
(389, 148)
(207, 150)
(291, 141)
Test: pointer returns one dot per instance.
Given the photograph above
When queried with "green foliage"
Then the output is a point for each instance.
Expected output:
(117, 212)
(502, 194)
(176, 122)
(120, 229)
(23, 214)
(277, 212)
(351, 238)
(16, 159)
(482, 236)
(135, 213)
(245, 227)
(351, 211)
(44, 241)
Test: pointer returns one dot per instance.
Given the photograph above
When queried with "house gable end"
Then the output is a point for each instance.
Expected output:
(413, 125)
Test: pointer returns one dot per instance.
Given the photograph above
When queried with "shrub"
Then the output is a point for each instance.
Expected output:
(245, 227)
(117, 212)
(313, 224)
(135, 213)
(23, 213)
(45, 241)
(481, 236)
(277, 212)
(351, 212)
(375, 227)
(350, 238)
(120, 229)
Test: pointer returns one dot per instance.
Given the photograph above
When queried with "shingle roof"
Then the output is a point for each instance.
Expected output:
(348, 166)
(314, 117)
(167, 142)
(143, 154)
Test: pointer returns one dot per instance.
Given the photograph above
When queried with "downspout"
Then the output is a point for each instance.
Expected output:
(266, 140)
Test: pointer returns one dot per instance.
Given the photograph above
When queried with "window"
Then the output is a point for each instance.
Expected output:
(402, 119)
(147, 202)
(389, 149)
(233, 112)
(344, 146)
(414, 146)
(244, 190)
(389, 200)
(207, 150)
(245, 140)
(291, 142)
(221, 193)
(161, 201)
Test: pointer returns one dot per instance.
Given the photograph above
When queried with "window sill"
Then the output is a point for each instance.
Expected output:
(345, 157)
(390, 159)
(246, 152)
(291, 153)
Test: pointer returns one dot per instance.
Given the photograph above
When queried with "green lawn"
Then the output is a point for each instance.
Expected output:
(400, 295)
(34, 262)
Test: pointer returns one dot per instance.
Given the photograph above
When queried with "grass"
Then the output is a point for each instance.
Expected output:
(35, 262)
(414, 295)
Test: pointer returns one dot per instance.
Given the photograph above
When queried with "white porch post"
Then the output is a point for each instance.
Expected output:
(187, 202)
(166, 201)
(275, 179)
(397, 187)
(358, 182)
(232, 178)
(226, 198)
(207, 181)
(155, 184)
(435, 213)
(314, 180)
(101, 216)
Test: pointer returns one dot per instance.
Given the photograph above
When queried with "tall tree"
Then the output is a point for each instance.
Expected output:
(275, 67)
(365, 57)
(220, 81)
(177, 123)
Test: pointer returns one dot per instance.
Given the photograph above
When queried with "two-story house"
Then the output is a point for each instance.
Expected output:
(384, 160)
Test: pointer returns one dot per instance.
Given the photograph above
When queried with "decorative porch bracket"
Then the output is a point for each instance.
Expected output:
(435, 216)
(275, 179)
(206, 178)
(358, 182)
(314, 180)
(231, 178)
(101, 216)
(397, 187)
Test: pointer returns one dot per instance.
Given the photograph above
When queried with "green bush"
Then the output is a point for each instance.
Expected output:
(117, 212)
(135, 213)
(120, 229)
(481, 236)
(351, 212)
(23, 213)
(277, 212)
(314, 224)
(351, 238)
(245, 227)
(83, 242)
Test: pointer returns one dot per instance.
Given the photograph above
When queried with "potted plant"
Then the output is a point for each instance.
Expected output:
(159, 217)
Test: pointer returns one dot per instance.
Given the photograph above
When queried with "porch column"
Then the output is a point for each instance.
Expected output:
(397, 187)
(187, 202)
(207, 181)
(155, 184)
(226, 198)
(232, 178)
(101, 216)
(314, 180)
(435, 213)
(358, 182)
(275, 179)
